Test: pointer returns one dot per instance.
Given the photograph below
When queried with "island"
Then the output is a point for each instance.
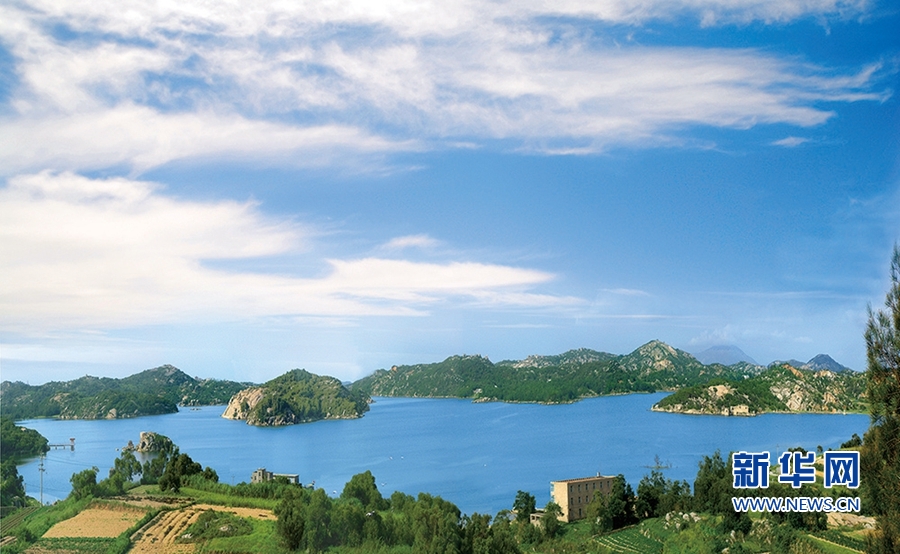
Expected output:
(781, 388)
(298, 396)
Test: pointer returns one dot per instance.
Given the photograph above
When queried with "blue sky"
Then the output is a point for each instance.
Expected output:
(243, 189)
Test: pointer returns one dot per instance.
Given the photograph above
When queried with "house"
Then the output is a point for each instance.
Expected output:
(574, 495)
(261, 476)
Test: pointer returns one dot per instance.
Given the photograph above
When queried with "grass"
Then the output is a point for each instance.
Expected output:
(262, 538)
(226, 500)
(830, 548)
(13, 520)
(80, 545)
(631, 541)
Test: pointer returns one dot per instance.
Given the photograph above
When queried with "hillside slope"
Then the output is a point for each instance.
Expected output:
(298, 396)
(151, 392)
(781, 388)
(564, 378)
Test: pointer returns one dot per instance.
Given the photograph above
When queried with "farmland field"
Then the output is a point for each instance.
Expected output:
(108, 522)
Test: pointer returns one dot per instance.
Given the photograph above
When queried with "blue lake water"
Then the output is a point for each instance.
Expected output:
(474, 455)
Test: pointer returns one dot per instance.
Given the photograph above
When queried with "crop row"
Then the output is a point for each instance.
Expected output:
(10, 522)
(76, 545)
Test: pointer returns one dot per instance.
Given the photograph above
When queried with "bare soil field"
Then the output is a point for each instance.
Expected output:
(256, 513)
(107, 522)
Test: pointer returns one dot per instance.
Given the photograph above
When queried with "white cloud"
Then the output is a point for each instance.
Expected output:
(790, 142)
(141, 138)
(410, 241)
(83, 253)
(139, 85)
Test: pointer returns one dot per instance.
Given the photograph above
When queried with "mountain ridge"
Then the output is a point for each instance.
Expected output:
(150, 392)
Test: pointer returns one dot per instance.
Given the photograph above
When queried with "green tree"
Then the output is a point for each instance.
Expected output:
(437, 526)
(550, 524)
(599, 514)
(12, 486)
(317, 532)
(348, 520)
(362, 487)
(524, 505)
(178, 467)
(880, 454)
(291, 522)
(84, 483)
(614, 509)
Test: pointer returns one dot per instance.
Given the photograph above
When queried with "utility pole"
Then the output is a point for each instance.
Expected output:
(42, 470)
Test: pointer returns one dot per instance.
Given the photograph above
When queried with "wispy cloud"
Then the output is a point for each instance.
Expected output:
(627, 292)
(88, 253)
(410, 241)
(791, 142)
(105, 84)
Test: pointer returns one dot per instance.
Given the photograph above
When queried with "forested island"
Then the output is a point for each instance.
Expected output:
(298, 396)
(781, 388)
(151, 392)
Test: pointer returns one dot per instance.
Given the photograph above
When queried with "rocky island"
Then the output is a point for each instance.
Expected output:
(780, 388)
(298, 396)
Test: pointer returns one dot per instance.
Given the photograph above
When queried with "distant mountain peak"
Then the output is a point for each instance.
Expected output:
(725, 354)
(824, 361)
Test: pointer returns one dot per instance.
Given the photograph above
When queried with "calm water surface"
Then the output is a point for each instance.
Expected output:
(475, 455)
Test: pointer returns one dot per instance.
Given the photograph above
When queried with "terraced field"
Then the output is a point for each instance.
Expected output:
(159, 535)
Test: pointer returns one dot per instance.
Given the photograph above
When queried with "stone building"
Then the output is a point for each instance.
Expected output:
(261, 476)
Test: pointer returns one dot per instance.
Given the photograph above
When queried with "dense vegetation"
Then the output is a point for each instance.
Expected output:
(16, 443)
(150, 392)
(298, 396)
(881, 443)
(563, 378)
(19, 442)
(780, 388)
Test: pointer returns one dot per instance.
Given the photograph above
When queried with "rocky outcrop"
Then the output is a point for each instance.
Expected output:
(242, 403)
(150, 442)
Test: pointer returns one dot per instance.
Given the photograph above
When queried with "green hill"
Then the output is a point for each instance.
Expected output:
(562, 378)
(781, 388)
(298, 396)
(150, 392)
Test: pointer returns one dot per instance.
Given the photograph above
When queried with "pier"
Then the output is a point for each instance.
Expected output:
(70, 446)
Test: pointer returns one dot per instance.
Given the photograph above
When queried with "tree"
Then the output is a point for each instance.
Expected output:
(179, 466)
(614, 509)
(317, 532)
(524, 506)
(550, 520)
(12, 486)
(880, 454)
(291, 523)
(362, 487)
(84, 483)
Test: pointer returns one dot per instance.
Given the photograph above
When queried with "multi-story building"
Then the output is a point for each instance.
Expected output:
(574, 495)
(261, 476)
